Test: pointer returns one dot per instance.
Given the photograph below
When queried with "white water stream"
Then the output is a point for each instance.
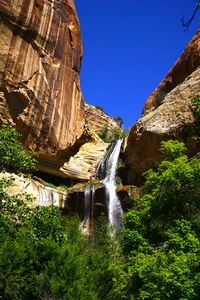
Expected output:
(86, 221)
(106, 172)
(115, 211)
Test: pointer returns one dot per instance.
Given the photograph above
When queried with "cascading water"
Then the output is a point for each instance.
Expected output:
(86, 221)
(115, 211)
(89, 198)
(106, 173)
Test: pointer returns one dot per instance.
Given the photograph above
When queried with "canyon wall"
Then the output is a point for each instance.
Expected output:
(40, 94)
(167, 114)
(40, 58)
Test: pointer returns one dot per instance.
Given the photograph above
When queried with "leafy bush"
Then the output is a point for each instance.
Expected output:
(161, 238)
(44, 255)
(109, 135)
(100, 108)
(12, 155)
(196, 111)
(119, 121)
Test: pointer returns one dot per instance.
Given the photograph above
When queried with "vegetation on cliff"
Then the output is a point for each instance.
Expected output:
(109, 135)
(196, 111)
(13, 157)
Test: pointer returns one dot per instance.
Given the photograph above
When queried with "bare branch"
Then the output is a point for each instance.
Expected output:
(186, 25)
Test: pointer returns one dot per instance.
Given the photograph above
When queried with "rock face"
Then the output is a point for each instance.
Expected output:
(96, 119)
(185, 65)
(83, 165)
(71, 200)
(167, 114)
(40, 57)
(41, 194)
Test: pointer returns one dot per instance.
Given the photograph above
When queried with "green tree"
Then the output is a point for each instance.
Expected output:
(100, 108)
(195, 104)
(44, 255)
(12, 155)
(111, 134)
(119, 121)
(161, 239)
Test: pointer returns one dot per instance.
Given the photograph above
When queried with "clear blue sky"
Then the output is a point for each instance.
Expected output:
(128, 48)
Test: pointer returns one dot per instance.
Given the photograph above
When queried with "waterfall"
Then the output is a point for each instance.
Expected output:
(115, 212)
(86, 221)
(106, 173)
(89, 198)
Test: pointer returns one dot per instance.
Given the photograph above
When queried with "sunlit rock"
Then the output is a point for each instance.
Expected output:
(41, 195)
(167, 114)
(40, 58)
(83, 165)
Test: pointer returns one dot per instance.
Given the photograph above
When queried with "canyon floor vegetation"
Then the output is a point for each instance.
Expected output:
(45, 255)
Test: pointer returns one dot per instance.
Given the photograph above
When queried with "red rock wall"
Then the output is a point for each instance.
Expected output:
(167, 114)
(187, 63)
(40, 57)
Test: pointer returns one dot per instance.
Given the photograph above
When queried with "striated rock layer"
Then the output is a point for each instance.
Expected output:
(83, 165)
(40, 57)
(167, 114)
(41, 195)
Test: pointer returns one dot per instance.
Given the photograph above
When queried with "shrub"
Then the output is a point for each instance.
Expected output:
(12, 155)
(196, 112)
(119, 121)
(109, 135)
(100, 108)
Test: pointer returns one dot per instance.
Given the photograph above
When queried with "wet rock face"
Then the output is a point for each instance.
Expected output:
(167, 114)
(40, 57)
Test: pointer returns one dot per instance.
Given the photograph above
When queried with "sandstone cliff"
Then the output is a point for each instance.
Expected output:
(40, 57)
(185, 65)
(167, 114)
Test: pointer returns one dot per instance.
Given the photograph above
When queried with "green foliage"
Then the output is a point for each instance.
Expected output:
(162, 276)
(196, 112)
(119, 121)
(12, 155)
(100, 108)
(172, 149)
(109, 135)
(161, 239)
(44, 255)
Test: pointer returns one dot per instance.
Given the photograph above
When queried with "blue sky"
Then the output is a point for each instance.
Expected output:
(128, 48)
